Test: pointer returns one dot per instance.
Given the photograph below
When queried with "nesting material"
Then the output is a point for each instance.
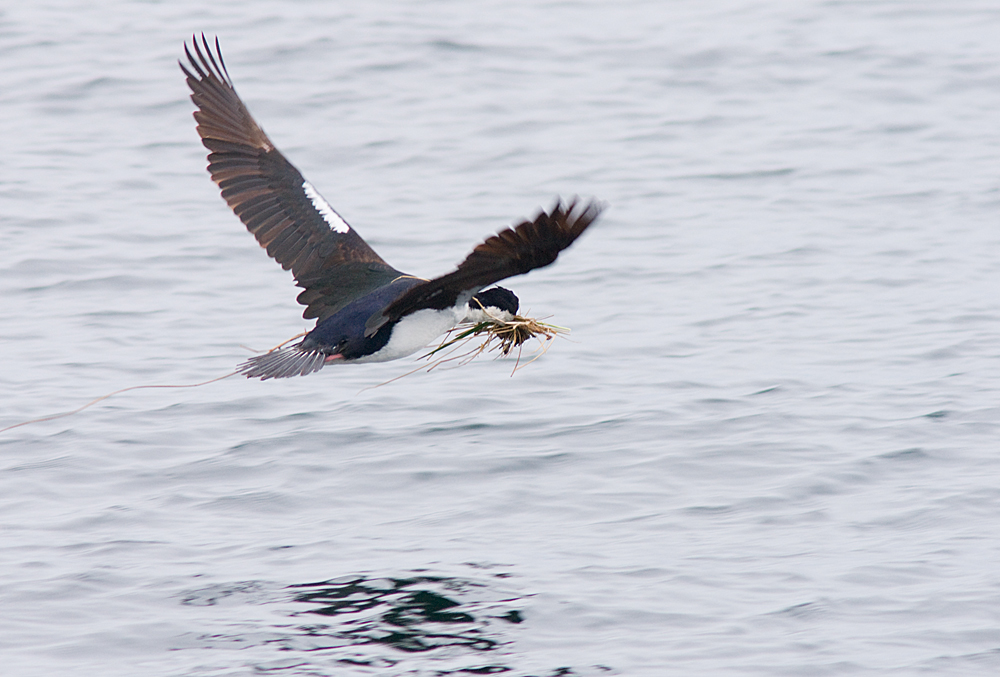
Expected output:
(501, 336)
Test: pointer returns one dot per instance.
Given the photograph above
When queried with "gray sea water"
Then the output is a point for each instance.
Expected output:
(769, 448)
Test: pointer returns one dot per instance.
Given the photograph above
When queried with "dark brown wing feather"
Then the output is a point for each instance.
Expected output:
(512, 251)
(286, 215)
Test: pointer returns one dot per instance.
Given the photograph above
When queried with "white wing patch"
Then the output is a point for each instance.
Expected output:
(325, 210)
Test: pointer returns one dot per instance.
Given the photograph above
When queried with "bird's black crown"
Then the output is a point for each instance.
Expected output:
(498, 297)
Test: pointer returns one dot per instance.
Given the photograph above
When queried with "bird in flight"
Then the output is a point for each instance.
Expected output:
(366, 310)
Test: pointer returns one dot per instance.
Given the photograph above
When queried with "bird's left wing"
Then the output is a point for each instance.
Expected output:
(512, 251)
(286, 214)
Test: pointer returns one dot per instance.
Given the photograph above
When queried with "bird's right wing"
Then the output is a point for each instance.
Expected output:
(286, 214)
(512, 251)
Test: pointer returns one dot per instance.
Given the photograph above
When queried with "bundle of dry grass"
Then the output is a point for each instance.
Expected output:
(501, 336)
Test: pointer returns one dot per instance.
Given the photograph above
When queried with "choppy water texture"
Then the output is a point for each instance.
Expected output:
(770, 448)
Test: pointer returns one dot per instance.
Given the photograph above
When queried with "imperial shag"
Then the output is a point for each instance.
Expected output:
(366, 310)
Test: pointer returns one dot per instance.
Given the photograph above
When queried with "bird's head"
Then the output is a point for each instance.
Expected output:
(496, 302)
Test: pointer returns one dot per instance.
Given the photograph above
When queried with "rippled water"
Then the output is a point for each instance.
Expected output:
(770, 447)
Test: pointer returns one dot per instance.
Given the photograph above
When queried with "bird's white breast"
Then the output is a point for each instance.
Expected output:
(415, 331)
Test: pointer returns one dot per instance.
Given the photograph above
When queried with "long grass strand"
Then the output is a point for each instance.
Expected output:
(117, 392)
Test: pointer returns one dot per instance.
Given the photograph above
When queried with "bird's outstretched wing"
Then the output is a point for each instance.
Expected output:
(512, 251)
(286, 214)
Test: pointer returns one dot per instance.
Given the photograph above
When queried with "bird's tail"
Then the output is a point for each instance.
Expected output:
(283, 363)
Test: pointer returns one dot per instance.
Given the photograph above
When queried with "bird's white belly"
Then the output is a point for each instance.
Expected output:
(415, 331)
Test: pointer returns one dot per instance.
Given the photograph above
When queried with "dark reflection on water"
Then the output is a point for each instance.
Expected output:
(360, 623)
(410, 614)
